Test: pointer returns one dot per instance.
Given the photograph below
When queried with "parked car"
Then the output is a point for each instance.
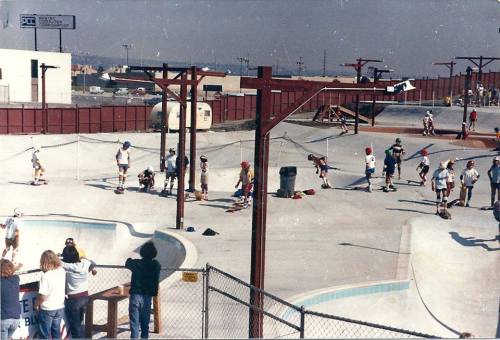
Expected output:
(122, 91)
(96, 90)
(141, 91)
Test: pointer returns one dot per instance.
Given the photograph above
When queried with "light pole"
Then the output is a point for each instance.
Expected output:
(85, 71)
(127, 47)
(45, 126)
(377, 74)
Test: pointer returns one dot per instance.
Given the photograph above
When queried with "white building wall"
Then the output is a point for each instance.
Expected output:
(16, 75)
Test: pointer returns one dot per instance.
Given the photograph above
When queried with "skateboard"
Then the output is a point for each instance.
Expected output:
(237, 206)
(119, 191)
(325, 186)
(40, 182)
(445, 214)
(410, 181)
(487, 208)
(385, 189)
(463, 194)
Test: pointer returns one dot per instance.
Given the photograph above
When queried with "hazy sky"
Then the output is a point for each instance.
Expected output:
(408, 34)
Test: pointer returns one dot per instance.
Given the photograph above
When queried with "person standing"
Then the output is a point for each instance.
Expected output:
(51, 294)
(398, 152)
(343, 124)
(431, 130)
(11, 308)
(468, 178)
(423, 167)
(439, 185)
(450, 181)
(204, 176)
(494, 176)
(472, 120)
(425, 122)
(123, 163)
(144, 285)
(369, 167)
(246, 180)
(321, 168)
(389, 169)
(13, 225)
(77, 289)
(170, 174)
(37, 166)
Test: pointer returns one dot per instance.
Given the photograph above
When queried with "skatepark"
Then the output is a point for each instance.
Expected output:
(378, 257)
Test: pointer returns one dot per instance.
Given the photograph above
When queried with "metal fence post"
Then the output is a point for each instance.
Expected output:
(302, 322)
(206, 283)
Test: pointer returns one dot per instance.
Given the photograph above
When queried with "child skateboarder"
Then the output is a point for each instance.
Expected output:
(147, 179)
(369, 167)
(397, 152)
(425, 122)
(423, 167)
(12, 224)
(343, 124)
(473, 120)
(389, 169)
(431, 124)
(321, 168)
(494, 176)
(468, 178)
(123, 163)
(37, 166)
(246, 180)
(204, 176)
(170, 174)
(439, 180)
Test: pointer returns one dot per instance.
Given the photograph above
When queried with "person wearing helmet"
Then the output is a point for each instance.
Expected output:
(123, 163)
(321, 168)
(423, 167)
(397, 152)
(37, 166)
(246, 180)
(204, 176)
(388, 170)
(13, 225)
(170, 174)
(369, 167)
(494, 176)
(147, 179)
(425, 122)
(439, 185)
(450, 182)
(468, 178)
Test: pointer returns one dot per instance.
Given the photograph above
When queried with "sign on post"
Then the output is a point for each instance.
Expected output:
(48, 21)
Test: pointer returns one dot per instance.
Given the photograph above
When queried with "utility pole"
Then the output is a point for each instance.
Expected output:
(301, 66)
(449, 65)
(247, 61)
(481, 64)
(243, 60)
(127, 47)
(45, 124)
(377, 74)
(324, 63)
(358, 67)
(468, 76)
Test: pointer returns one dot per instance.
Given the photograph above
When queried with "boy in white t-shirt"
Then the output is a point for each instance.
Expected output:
(123, 163)
(468, 178)
(12, 224)
(37, 166)
(369, 167)
(439, 185)
(170, 174)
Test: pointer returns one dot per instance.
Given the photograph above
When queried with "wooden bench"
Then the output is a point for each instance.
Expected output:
(113, 297)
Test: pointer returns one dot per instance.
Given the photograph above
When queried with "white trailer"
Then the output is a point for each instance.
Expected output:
(203, 117)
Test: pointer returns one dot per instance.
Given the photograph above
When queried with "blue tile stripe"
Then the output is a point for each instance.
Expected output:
(69, 224)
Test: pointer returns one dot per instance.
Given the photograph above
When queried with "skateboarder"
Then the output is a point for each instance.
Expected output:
(397, 152)
(123, 163)
(425, 122)
(246, 180)
(12, 224)
(389, 169)
(204, 176)
(369, 167)
(171, 162)
(37, 165)
(423, 167)
(343, 124)
(439, 179)
(450, 181)
(494, 176)
(431, 124)
(321, 168)
(147, 179)
(472, 120)
(468, 178)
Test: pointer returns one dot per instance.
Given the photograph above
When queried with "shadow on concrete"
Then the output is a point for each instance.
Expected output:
(220, 206)
(329, 137)
(101, 186)
(130, 227)
(473, 242)
(379, 249)
(410, 210)
(409, 183)
(223, 200)
(424, 202)
(22, 183)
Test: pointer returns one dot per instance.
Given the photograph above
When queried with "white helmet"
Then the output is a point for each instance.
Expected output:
(18, 212)
(150, 169)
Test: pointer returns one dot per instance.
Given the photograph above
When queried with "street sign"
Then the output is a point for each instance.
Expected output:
(48, 21)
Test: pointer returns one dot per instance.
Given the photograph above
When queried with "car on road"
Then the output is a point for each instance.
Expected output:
(141, 91)
(96, 90)
(122, 91)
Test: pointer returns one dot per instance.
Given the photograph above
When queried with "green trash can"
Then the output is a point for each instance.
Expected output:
(287, 181)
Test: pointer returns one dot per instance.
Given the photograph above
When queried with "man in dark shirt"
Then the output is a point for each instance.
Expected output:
(144, 285)
(389, 169)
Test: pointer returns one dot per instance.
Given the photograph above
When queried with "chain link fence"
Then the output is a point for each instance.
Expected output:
(210, 303)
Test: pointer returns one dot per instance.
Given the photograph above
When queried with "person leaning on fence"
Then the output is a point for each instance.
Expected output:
(51, 295)
(143, 286)
(11, 308)
(77, 289)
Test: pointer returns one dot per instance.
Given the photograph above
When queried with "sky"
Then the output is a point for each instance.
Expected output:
(409, 35)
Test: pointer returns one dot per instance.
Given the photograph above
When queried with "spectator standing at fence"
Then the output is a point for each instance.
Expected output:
(77, 289)
(123, 163)
(37, 166)
(494, 176)
(11, 308)
(369, 167)
(468, 178)
(13, 225)
(204, 176)
(51, 295)
(144, 285)
(170, 174)
(472, 120)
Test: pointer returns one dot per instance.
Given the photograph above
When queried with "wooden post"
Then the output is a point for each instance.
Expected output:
(156, 313)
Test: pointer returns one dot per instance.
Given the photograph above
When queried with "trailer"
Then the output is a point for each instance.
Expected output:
(203, 117)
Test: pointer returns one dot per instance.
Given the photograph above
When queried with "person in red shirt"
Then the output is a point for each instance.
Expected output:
(473, 120)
